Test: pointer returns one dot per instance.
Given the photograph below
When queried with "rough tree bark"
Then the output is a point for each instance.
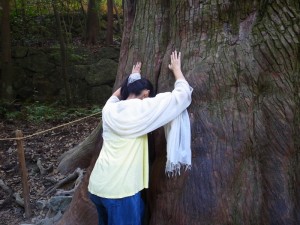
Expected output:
(6, 77)
(243, 60)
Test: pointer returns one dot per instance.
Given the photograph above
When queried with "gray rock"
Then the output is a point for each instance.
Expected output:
(50, 221)
(104, 72)
(59, 203)
(37, 74)
(36, 62)
(19, 52)
(21, 77)
(41, 204)
(78, 72)
(99, 94)
(109, 53)
(45, 89)
(10, 150)
(79, 90)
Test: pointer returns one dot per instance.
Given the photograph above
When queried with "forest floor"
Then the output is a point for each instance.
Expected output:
(47, 147)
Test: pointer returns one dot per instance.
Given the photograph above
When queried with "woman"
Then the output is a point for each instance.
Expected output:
(121, 170)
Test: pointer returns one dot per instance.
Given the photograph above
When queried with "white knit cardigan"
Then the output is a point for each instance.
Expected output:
(133, 118)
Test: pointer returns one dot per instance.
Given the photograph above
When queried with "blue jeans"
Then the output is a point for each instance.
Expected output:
(121, 211)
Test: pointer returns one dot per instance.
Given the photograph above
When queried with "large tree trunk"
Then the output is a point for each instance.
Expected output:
(6, 78)
(243, 60)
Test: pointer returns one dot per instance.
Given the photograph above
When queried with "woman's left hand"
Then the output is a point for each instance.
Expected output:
(137, 68)
(117, 93)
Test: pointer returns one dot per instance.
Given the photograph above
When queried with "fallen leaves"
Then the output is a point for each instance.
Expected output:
(44, 149)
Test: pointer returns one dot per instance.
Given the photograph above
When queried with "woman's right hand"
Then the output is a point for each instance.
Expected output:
(175, 61)
(175, 65)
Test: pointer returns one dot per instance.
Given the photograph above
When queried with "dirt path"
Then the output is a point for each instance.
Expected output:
(46, 147)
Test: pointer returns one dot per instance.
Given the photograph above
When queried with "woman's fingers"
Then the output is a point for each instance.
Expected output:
(175, 56)
(175, 61)
(136, 67)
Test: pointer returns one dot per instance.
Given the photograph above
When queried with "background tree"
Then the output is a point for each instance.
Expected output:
(92, 23)
(6, 67)
(63, 53)
(110, 23)
(118, 16)
(24, 18)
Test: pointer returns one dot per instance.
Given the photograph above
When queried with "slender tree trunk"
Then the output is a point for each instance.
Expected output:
(110, 23)
(243, 61)
(6, 67)
(63, 53)
(82, 8)
(24, 19)
(92, 23)
(16, 7)
(118, 16)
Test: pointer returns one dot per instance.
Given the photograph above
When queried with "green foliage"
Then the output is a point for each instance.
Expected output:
(33, 22)
(43, 7)
(37, 112)
(103, 6)
(73, 56)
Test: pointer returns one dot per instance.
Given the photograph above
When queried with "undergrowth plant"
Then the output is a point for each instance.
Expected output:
(40, 112)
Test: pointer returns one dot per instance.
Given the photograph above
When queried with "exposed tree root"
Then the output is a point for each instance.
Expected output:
(76, 175)
(80, 155)
(6, 189)
(18, 199)
(10, 193)
(42, 169)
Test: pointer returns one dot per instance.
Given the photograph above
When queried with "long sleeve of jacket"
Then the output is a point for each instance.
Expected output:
(135, 117)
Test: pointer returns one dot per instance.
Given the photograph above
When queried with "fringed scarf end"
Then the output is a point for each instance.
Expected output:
(172, 169)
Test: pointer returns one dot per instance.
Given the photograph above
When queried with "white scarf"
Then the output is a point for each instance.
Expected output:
(178, 136)
(133, 118)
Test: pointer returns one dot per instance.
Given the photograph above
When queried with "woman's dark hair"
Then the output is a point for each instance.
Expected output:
(136, 88)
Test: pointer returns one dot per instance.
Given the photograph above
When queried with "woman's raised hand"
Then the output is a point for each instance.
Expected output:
(175, 61)
(175, 65)
(137, 68)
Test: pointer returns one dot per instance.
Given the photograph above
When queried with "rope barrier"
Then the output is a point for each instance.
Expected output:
(45, 131)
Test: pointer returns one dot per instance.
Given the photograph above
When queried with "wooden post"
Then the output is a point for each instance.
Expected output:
(24, 174)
